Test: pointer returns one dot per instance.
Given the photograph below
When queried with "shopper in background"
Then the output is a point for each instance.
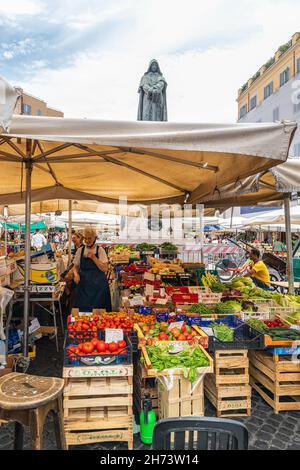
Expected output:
(258, 270)
(77, 241)
(38, 240)
(278, 246)
(55, 242)
(90, 268)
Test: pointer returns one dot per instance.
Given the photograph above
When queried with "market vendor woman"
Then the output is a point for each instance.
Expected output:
(258, 270)
(90, 268)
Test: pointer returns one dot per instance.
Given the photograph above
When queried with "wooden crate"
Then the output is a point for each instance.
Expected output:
(98, 404)
(228, 387)
(276, 381)
(228, 400)
(231, 367)
(174, 372)
(183, 399)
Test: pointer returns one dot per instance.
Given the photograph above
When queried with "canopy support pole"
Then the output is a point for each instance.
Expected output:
(70, 234)
(288, 231)
(28, 166)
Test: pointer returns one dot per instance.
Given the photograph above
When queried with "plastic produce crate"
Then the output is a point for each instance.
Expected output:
(277, 351)
(96, 359)
(245, 337)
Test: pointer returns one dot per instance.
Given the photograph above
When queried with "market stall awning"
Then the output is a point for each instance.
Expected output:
(89, 159)
(16, 226)
(269, 186)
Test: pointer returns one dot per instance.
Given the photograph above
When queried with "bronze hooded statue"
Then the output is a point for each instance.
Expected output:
(153, 97)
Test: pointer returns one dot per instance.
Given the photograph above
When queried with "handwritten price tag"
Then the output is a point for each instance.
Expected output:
(113, 335)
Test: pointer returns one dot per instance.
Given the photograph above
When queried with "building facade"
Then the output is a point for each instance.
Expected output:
(33, 106)
(273, 93)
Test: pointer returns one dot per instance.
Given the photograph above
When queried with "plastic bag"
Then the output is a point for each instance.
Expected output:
(5, 297)
(167, 382)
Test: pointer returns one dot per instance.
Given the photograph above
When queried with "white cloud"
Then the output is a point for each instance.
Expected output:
(207, 50)
(19, 7)
(17, 48)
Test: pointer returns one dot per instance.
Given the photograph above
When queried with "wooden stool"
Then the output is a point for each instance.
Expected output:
(26, 400)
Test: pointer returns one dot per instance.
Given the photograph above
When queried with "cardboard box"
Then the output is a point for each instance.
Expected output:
(9, 366)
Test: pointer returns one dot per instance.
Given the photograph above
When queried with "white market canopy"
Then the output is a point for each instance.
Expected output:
(275, 217)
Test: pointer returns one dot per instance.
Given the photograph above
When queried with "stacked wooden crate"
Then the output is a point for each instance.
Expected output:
(98, 404)
(179, 397)
(276, 379)
(228, 388)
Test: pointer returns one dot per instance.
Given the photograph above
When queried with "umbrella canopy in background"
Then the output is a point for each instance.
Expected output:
(276, 217)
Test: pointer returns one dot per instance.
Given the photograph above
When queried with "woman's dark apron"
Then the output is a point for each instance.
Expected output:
(93, 289)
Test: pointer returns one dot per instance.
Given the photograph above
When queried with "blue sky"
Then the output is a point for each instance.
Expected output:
(87, 57)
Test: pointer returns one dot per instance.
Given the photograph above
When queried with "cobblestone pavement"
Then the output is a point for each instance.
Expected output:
(267, 431)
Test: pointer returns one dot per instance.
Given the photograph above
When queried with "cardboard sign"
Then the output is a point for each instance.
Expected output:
(34, 325)
(113, 335)
(177, 324)
(149, 289)
(136, 301)
(208, 331)
(162, 301)
(149, 277)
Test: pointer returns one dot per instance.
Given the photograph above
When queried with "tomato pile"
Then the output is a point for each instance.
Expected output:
(96, 347)
(97, 323)
(161, 332)
(276, 323)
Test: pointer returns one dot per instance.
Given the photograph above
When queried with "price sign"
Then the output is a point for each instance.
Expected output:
(149, 289)
(113, 335)
(177, 324)
(208, 331)
(162, 301)
(84, 314)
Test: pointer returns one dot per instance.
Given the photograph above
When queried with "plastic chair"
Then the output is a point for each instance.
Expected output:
(193, 433)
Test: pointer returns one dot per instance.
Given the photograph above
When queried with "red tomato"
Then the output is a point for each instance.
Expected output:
(94, 342)
(122, 344)
(189, 337)
(80, 346)
(181, 338)
(87, 348)
(101, 347)
(78, 351)
(113, 347)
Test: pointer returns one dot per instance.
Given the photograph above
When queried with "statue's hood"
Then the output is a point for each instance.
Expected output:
(152, 62)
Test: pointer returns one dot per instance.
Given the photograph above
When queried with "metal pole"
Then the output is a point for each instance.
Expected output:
(231, 218)
(28, 166)
(289, 245)
(70, 234)
(5, 242)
